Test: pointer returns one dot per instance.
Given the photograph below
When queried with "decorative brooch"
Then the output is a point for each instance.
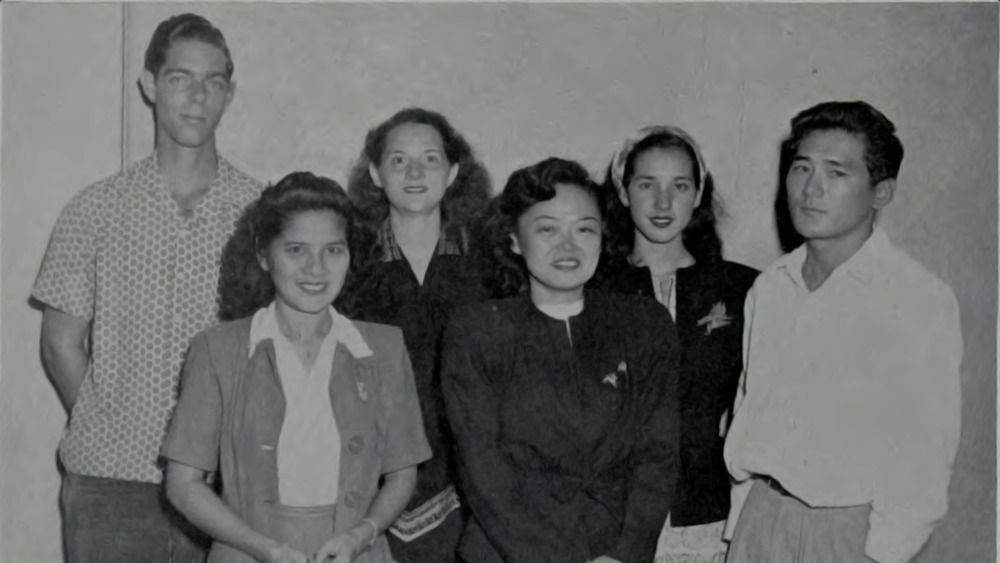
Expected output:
(360, 373)
(716, 318)
(612, 378)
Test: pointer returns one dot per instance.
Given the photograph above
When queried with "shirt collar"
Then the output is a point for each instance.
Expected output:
(865, 265)
(446, 245)
(224, 173)
(264, 326)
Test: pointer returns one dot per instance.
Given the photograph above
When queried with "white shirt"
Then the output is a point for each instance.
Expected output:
(308, 450)
(850, 394)
(665, 288)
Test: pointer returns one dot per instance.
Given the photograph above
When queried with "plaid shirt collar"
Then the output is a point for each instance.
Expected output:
(446, 245)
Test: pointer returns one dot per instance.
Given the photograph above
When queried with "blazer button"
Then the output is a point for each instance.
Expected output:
(362, 370)
(352, 499)
(356, 445)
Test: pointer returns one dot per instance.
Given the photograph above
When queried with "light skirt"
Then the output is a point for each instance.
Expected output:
(691, 544)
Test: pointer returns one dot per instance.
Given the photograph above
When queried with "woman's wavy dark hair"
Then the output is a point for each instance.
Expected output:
(464, 200)
(244, 287)
(526, 187)
(700, 237)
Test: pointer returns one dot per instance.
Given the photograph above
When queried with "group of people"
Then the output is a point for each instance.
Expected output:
(413, 369)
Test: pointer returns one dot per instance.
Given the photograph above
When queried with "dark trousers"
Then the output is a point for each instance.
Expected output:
(115, 521)
(775, 527)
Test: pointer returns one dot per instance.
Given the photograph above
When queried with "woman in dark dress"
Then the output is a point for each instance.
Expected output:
(663, 244)
(562, 402)
(419, 188)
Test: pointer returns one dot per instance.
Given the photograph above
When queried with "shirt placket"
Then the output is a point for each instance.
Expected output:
(787, 352)
(184, 254)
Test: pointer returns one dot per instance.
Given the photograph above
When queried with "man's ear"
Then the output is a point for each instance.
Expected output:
(884, 191)
(148, 83)
(231, 94)
(514, 244)
(373, 172)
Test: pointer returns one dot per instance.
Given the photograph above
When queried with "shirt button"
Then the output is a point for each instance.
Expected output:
(352, 499)
(356, 445)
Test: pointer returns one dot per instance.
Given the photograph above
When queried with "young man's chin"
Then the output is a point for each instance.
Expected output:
(191, 139)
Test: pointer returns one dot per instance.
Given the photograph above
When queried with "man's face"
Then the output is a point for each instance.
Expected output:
(830, 194)
(191, 92)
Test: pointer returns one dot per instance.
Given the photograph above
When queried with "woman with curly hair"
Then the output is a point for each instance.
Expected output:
(310, 418)
(419, 189)
(561, 400)
(663, 244)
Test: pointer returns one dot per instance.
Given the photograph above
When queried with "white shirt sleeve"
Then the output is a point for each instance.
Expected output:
(912, 499)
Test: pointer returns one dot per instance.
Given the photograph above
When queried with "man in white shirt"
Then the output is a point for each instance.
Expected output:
(848, 412)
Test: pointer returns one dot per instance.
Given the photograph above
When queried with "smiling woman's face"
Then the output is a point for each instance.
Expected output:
(560, 241)
(662, 194)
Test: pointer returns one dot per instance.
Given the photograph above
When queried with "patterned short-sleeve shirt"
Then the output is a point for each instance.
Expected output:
(126, 257)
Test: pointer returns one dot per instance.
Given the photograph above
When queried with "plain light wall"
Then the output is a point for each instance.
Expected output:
(62, 120)
(523, 82)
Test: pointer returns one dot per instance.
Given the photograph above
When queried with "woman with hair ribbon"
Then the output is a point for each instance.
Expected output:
(663, 244)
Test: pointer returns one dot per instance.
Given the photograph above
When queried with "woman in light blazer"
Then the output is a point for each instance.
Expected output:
(300, 410)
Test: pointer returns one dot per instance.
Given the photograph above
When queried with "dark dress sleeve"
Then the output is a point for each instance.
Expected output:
(510, 519)
(654, 460)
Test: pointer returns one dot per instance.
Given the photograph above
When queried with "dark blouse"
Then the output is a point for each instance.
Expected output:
(711, 362)
(566, 430)
(391, 294)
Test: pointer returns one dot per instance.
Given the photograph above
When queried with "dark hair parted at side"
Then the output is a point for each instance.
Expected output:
(464, 199)
(183, 27)
(526, 187)
(700, 237)
(883, 150)
(243, 286)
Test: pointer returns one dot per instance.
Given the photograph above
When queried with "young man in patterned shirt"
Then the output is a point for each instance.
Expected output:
(129, 277)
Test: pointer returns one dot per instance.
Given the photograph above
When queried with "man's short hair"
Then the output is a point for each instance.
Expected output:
(184, 27)
(883, 150)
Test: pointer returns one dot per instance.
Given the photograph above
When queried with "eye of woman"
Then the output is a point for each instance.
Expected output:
(397, 160)
(336, 249)
(799, 168)
(683, 185)
(643, 184)
(293, 249)
(545, 228)
(433, 159)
